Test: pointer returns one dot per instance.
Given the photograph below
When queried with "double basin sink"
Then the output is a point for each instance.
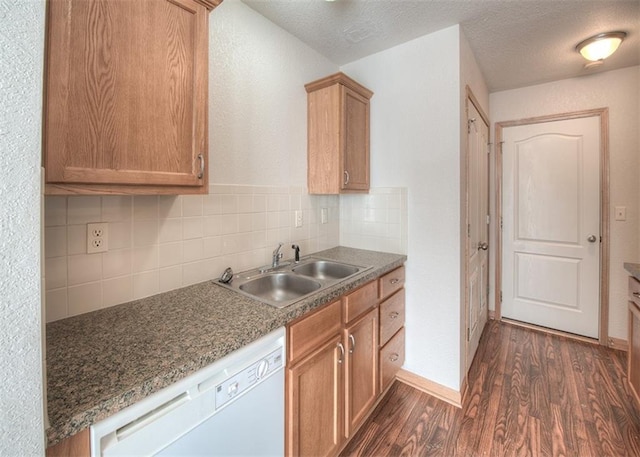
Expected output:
(291, 282)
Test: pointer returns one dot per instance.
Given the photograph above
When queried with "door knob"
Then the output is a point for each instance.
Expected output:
(483, 246)
(592, 239)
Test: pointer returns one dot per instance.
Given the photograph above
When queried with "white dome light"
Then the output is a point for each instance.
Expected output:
(601, 46)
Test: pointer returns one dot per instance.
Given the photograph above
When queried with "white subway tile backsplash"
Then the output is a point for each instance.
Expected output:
(55, 272)
(117, 290)
(192, 205)
(116, 263)
(82, 210)
(84, 298)
(193, 250)
(170, 278)
(192, 228)
(170, 254)
(56, 304)
(55, 211)
(145, 232)
(145, 207)
(145, 284)
(84, 268)
(116, 208)
(120, 234)
(170, 230)
(145, 258)
(160, 243)
(57, 245)
(169, 206)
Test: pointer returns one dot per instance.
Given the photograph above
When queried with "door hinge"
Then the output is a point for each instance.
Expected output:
(501, 222)
(468, 230)
(468, 333)
(500, 296)
(488, 219)
(489, 148)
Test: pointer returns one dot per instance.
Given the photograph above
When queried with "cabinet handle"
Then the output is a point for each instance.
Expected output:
(341, 347)
(636, 294)
(352, 340)
(394, 357)
(394, 315)
(346, 177)
(201, 159)
(394, 281)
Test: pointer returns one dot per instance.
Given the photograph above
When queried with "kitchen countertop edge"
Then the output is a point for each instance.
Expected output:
(75, 418)
(633, 269)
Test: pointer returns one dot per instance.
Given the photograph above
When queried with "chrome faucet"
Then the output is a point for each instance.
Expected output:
(277, 255)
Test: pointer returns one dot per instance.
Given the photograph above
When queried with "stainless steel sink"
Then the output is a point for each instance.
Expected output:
(325, 269)
(280, 287)
(290, 282)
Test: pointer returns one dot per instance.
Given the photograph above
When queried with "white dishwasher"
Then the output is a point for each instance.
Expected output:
(233, 407)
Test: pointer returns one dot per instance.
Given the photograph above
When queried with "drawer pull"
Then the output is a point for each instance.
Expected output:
(341, 347)
(394, 357)
(636, 294)
(394, 281)
(394, 315)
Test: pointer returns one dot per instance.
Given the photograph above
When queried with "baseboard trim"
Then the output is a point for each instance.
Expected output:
(619, 344)
(434, 389)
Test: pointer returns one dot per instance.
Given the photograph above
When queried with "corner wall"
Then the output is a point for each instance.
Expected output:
(415, 143)
(619, 90)
(21, 54)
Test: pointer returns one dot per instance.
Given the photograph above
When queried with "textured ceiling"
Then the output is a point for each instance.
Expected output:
(516, 42)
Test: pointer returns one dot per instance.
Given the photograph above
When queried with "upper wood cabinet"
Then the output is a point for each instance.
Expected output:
(126, 96)
(338, 135)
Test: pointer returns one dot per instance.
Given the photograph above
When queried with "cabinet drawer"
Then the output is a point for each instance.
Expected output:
(360, 301)
(311, 331)
(391, 282)
(391, 359)
(391, 316)
(634, 290)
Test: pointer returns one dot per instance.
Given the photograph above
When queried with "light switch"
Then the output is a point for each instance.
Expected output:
(621, 213)
(298, 215)
(324, 215)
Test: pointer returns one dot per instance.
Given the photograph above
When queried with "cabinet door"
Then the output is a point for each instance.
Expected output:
(315, 402)
(356, 141)
(361, 341)
(126, 92)
(634, 349)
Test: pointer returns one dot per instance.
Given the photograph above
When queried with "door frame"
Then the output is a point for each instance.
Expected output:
(603, 114)
(471, 98)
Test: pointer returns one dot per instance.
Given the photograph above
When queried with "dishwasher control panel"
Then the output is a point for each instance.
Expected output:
(244, 380)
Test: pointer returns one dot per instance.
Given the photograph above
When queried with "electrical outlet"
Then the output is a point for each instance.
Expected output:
(298, 218)
(97, 237)
(324, 215)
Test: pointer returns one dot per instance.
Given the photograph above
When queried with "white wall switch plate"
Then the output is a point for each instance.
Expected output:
(97, 237)
(299, 218)
(324, 215)
(621, 213)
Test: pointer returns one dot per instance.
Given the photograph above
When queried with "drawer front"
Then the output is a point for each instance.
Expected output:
(391, 282)
(391, 316)
(391, 359)
(360, 301)
(634, 290)
(311, 331)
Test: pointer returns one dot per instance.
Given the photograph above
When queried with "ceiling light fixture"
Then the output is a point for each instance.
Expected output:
(599, 47)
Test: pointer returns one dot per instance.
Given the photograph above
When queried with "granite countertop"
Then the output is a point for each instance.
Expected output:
(101, 362)
(633, 269)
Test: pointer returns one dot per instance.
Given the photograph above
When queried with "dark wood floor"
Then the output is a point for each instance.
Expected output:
(530, 394)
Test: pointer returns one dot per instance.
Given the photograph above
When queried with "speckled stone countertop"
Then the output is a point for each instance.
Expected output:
(633, 269)
(101, 362)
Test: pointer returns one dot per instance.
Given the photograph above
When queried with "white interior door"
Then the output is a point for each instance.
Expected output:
(478, 229)
(551, 232)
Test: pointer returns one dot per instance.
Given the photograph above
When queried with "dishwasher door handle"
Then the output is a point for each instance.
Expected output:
(136, 424)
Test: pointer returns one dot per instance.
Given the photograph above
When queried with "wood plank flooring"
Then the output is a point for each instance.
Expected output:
(530, 394)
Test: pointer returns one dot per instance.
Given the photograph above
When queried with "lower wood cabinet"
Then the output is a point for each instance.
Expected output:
(361, 384)
(634, 337)
(315, 399)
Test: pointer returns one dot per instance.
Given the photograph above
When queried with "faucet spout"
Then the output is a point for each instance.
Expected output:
(277, 255)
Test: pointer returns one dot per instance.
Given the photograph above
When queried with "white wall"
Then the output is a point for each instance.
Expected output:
(415, 143)
(258, 171)
(21, 54)
(619, 91)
